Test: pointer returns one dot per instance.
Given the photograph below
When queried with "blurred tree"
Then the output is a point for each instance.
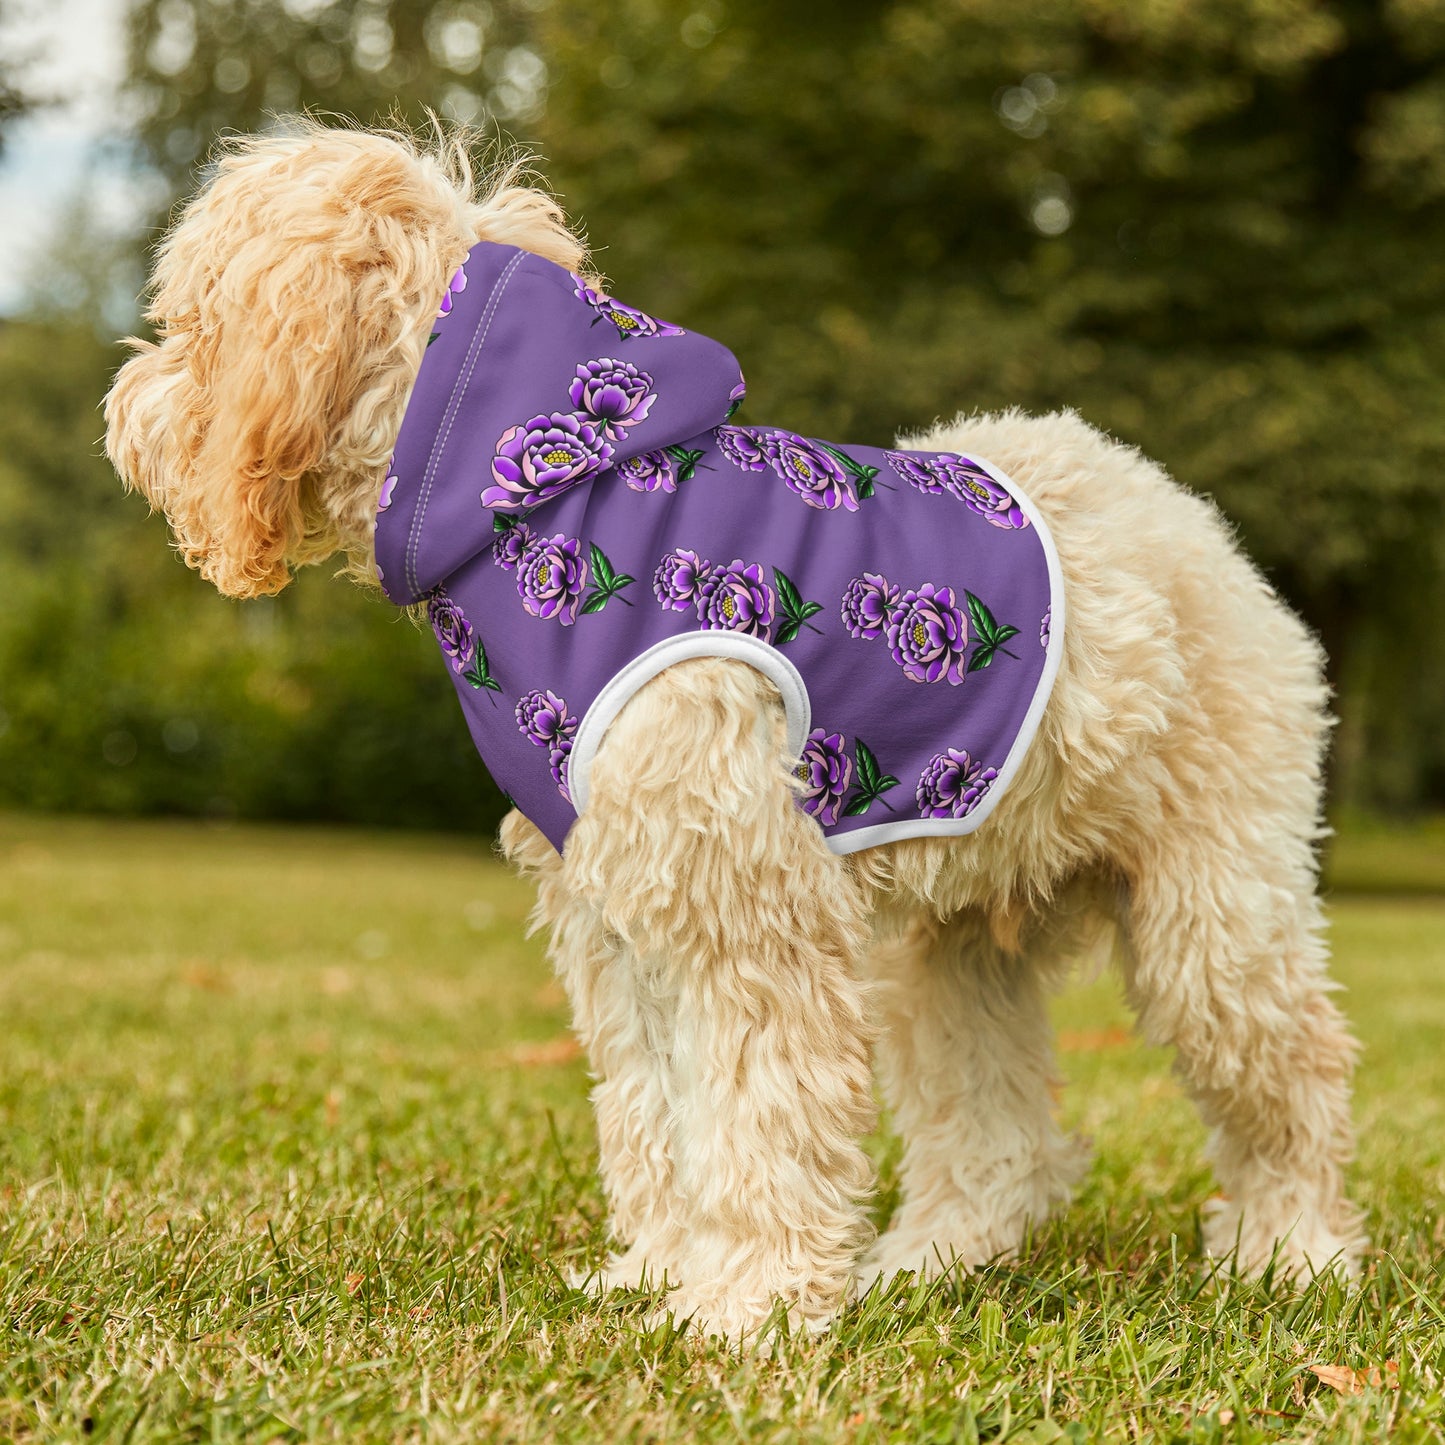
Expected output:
(127, 685)
(201, 67)
(15, 101)
(1216, 227)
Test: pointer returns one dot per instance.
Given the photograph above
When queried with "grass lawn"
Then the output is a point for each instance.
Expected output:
(294, 1145)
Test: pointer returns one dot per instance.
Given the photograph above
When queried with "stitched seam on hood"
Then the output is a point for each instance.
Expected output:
(464, 376)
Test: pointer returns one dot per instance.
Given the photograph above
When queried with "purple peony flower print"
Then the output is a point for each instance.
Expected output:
(628, 320)
(916, 470)
(810, 471)
(544, 719)
(739, 445)
(677, 579)
(550, 577)
(453, 630)
(545, 722)
(388, 490)
(559, 755)
(737, 598)
(952, 785)
(968, 481)
(928, 635)
(1045, 626)
(826, 772)
(616, 392)
(510, 549)
(649, 472)
(455, 287)
(545, 457)
(867, 603)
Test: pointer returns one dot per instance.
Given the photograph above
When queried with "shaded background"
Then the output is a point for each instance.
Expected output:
(1214, 227)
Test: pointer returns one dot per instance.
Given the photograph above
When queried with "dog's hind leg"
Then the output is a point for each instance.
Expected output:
(966, 1060)
(746, 930)
(1228, 966)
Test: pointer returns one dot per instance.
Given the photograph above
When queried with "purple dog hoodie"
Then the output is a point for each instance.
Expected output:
(570, 499)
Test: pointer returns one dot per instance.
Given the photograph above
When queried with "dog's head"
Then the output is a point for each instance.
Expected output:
(292, 302)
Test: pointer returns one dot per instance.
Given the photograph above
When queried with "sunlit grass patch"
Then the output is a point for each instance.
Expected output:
(293, 1144)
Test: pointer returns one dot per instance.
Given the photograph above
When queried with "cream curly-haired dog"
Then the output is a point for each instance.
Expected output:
(730, 983)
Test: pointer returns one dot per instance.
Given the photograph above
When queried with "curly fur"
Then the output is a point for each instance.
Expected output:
(729, 976)
(292, 302)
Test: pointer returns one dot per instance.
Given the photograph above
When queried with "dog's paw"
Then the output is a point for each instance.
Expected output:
(913, 1252)
(1298, 1245)
(632, 1270)
(741, 1323)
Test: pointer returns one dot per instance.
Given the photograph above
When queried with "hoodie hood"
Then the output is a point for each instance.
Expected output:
(504, 418)
(573, 502)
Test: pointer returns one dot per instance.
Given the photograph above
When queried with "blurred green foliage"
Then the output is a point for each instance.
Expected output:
(1214, 227)
(14, 99)
(127, 685)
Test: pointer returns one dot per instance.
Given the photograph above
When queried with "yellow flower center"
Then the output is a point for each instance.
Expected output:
(977, 488)
(920, 635)
(802, 468)
(544, 574)
(729, 608)
(624, 322)
(802, 772)
(557, 457)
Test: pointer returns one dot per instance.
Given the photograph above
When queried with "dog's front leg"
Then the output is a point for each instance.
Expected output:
(742, 930)
(624, 1024)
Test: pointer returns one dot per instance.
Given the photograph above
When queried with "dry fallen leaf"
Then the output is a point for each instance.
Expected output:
(550, 995)
(1347, 1381)
(560, 1050)
(1092, 1041)
(354, 1282)
(197, 973)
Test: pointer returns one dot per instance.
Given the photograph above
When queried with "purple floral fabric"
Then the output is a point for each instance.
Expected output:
(559, 756)
(867, 605)
(616, 393)
(550, 577)
(918, 471)
(809, 470)
(679, 578)
(980, 493)
(546, 456)
(741, 447)
(564, 498)
(545, 722)
(629, 321)
(512, 546)
(737, 598)
(452, 629)
(455, 287)
(825, 772)
(649, 472)
(952, 785)
(928, 635)
(963, 478)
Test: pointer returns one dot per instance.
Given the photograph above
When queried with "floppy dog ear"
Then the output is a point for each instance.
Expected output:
(221, 424)
(291, 300)
(277, 360)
